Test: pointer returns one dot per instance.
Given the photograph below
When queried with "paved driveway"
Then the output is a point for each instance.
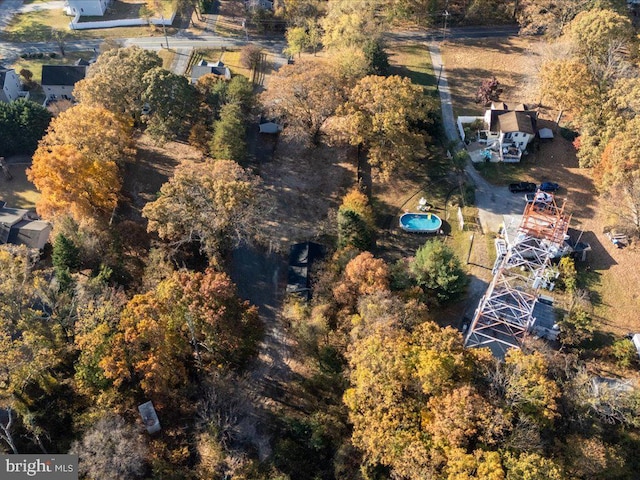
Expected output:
(492, 201)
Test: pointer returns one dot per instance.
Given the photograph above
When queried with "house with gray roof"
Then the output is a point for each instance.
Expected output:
(205, 68)
(22, 227)
(509, 131)
(11, 87)
(58, 81)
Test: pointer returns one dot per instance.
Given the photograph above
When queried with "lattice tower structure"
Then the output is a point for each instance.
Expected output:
(505, 313)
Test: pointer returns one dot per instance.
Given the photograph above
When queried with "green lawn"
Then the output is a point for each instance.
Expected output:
(167, 57)
(500, 173)
(37, 26)
(413, 61)
(18, 192)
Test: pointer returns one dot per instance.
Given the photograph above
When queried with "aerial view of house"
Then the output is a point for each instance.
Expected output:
(58, 80)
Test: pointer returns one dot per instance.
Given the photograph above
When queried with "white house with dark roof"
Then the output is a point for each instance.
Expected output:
(58, 81)
(11, 85)
(509, 131)
(215, 68)
(86, 8)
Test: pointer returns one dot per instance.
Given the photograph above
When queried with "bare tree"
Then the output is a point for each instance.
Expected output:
(5, 429)
(111, 449)
(59, 36)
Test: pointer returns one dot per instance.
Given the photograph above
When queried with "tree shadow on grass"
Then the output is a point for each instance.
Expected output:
(29, 32)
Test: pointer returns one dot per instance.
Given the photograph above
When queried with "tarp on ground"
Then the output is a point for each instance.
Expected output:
(270, 127)
(301, 256)
(545, 133)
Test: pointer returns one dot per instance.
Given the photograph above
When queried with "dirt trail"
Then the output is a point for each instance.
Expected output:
(259, 275)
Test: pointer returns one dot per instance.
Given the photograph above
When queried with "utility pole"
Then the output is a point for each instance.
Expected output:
(439, 76)
(444, 30)
(164, 29)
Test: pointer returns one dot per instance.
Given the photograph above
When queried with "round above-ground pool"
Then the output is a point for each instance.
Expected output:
(420, 222)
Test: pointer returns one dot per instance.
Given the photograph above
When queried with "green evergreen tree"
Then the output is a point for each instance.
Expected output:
(228, 141)
(353, 231)
(437, 270)
(66, 255)
(376, 57)
(22, 125)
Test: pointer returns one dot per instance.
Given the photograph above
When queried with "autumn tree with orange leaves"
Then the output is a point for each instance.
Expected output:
(190, 322)
(76, 166)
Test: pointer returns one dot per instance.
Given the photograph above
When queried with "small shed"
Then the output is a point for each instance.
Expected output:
(545, 134)
(270, 127)
(149, 417)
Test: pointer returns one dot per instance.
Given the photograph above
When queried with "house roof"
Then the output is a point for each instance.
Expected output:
(516, 122)
(499, 106)
(301, 256)
(28, 232)
(200, 70)
(545, 133)
(521, 107)
(11, 216)
(67, 75)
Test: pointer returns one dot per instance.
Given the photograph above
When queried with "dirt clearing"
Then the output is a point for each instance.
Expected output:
(514, 61)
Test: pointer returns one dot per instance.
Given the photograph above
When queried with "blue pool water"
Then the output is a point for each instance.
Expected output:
(420, 222)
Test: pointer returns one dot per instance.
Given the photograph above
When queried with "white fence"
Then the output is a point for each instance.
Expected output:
(462, 120)
(125, 22)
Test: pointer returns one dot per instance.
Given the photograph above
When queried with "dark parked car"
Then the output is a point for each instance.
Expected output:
(549, 186)
(522, 187)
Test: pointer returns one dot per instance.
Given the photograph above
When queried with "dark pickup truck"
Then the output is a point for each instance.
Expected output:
(522, 187)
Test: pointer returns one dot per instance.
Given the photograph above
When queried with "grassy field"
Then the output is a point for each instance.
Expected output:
(18, 192)
(167, 56)
(37, 26)
(413, 61)
(35, 64)
(513, 61)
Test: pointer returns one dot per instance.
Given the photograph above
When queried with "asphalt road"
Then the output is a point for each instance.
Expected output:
(184, 40)
(452, 33)
(10, 51)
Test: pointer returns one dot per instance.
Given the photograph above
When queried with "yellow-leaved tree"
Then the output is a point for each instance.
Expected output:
(74, 183)
(381, 114)
(76, 165)
(93, 131)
